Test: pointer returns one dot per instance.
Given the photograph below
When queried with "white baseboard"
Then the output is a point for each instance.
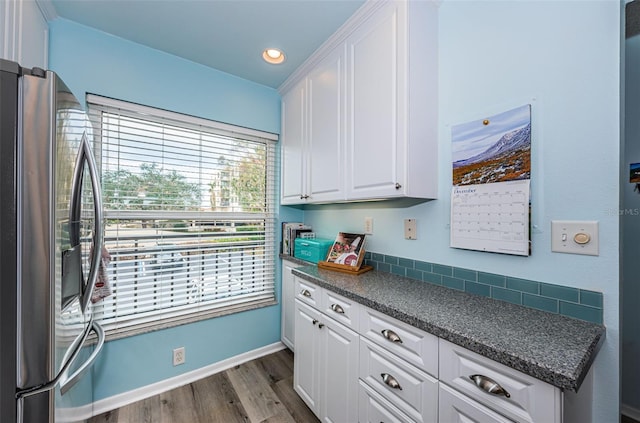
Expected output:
(126, 398)
(634, 413)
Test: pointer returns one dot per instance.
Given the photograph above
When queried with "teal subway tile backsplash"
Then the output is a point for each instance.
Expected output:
(579, 311)
(391, 259)
(508, 295)
(421, 265)
(541, 303)
(560, 292)
(492, 279)
(433, 278)
(398, 270)
(454, 283)
(572, 302)
(477, 288)
(466, 274)
(442, 270)
(590, 298)
(406, 263)
(523, 285)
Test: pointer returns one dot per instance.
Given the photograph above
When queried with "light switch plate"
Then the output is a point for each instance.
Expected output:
(575, 237)
(410, 231)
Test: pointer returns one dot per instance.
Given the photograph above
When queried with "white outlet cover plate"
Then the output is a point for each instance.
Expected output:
(563, 235)
(410, 231)
(368, 225)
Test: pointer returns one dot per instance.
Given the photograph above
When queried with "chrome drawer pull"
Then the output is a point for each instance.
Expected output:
(337, 308)
(391, 336)
(306, 293)
(390, 381)
(489, 385)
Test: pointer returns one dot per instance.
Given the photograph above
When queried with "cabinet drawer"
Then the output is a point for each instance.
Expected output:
(454, 407)
(308, 293)
(373, 408)
(529, 400)
(409, 343)
(407, 387)
(341, 309)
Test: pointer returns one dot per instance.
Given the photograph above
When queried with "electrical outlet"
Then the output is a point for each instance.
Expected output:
(368, 225)
(410, 231)
(178, 356)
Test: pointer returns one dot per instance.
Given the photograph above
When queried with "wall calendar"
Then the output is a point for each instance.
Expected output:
(490, 197)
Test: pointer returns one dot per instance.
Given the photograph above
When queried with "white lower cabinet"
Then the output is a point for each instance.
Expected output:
(457, 408)
(370, 367)
(373, 408)
(287, 329)
(408, 388)
(326, 365)
(519, 397)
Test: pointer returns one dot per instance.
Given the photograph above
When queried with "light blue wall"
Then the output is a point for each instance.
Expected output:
(92, 61)
(563, 57)
(631, 233)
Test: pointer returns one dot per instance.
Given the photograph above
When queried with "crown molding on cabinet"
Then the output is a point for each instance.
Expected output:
(47, 9)
(341, 34)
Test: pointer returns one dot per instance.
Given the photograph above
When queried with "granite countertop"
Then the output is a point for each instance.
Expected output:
(555, 349)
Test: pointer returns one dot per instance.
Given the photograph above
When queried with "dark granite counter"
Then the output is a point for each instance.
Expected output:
(553, 348)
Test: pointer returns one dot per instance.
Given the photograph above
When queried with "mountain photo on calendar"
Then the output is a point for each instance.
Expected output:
(348, 249)
(495, 149)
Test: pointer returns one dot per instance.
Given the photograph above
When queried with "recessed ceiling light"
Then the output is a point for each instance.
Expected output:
(273, 56)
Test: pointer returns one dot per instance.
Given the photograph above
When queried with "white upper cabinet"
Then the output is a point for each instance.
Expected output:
(392, 103)
(312, 135)
(370, 129)
(25, 33)
(326, 130)
(293, 156)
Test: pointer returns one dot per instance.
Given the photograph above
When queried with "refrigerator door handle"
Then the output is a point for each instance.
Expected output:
(67, 382)
(69, 357)
(85, 155)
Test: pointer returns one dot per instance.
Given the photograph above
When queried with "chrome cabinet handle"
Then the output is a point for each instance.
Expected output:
(398, 186)
(306, 293)
(390, 381)
(337, 308)
(314, 321)
(320, 326)
(391, 336)
(489, 385)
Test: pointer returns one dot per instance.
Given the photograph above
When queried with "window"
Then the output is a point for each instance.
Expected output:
(189, 216)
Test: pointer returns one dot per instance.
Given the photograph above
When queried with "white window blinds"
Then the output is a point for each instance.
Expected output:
(189, 210)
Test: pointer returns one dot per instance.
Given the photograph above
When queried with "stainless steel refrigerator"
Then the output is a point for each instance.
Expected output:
(50, 249)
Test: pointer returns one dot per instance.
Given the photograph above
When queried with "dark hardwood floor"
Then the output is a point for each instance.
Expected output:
(257, 391)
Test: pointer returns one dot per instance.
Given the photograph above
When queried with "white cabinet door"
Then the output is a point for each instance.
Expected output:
(325, 373)
(306, 359)
(34, 36)
(375, 77)
(293, 166)
(287, 319)
(25, 34)
(392, 103)
(338, 373)
(325, 145)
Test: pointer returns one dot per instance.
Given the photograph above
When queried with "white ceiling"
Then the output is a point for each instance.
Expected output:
(228, 35)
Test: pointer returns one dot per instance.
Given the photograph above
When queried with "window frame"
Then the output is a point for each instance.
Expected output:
(174, 316)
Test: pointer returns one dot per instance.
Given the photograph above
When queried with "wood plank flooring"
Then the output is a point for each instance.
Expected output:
(257, 391)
